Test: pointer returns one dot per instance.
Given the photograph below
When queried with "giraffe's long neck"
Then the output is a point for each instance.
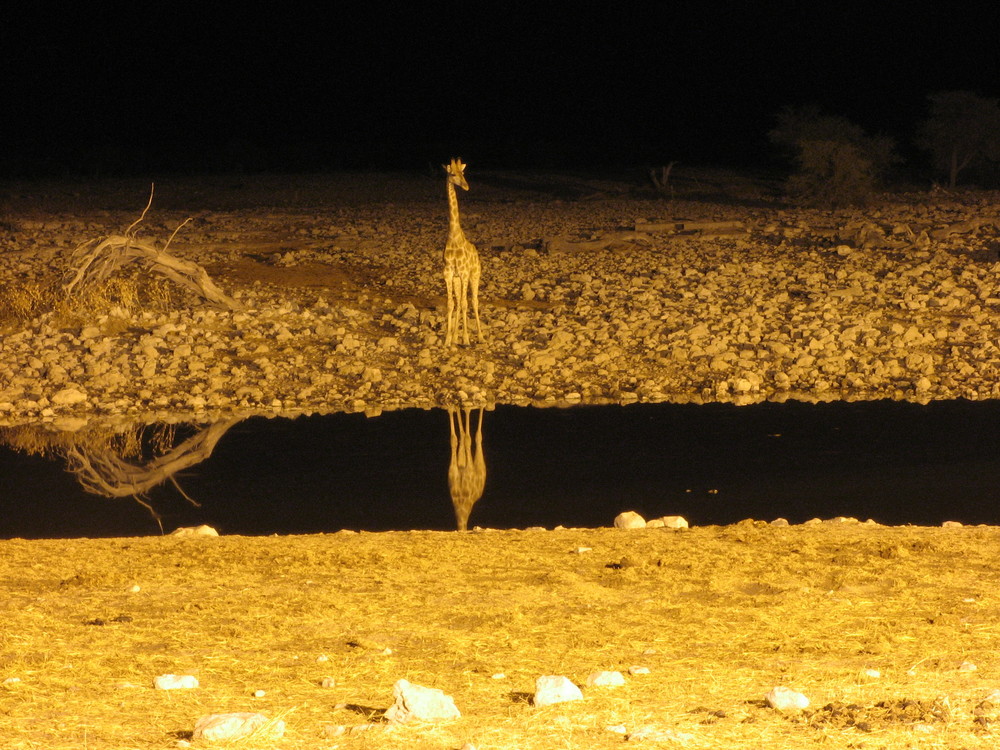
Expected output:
(454, 227)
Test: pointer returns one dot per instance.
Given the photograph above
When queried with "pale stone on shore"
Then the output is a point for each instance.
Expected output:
(629, 520)
(605, 679)
(226, 727)
(418, 703)
(203, 530)
(175, 682)
(785, 699)
(551, 689)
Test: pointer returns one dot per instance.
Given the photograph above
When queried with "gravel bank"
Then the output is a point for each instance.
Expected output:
(592, 291)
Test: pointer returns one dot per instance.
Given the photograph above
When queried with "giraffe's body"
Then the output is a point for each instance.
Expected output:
(461, 265)
(467, 470)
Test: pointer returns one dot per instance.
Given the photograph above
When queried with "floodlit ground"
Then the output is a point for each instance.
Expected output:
(892, 634)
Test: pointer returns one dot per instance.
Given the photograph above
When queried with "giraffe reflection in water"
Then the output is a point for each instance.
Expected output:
(467, 470)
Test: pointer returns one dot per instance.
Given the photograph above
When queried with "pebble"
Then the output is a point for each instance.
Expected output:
(551, 689)
(786, 700)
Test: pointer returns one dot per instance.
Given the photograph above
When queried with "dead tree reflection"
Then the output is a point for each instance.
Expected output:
(467, 470)
(110, 461)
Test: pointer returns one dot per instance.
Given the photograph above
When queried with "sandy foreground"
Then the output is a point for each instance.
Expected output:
(891, 634)
(593, 290)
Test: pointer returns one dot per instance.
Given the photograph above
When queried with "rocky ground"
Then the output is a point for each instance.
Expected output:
(593, 290)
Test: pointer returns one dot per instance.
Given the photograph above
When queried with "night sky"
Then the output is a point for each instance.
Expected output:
(163, 87)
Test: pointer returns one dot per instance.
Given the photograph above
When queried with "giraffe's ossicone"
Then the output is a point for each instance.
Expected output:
(461, 265)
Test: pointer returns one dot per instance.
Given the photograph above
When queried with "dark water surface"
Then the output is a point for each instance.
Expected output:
(715, 464)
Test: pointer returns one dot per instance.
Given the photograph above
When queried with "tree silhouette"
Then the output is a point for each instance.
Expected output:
(963, 130)
(836, 162)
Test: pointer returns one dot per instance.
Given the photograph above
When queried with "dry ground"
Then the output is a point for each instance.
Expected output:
(719, 615)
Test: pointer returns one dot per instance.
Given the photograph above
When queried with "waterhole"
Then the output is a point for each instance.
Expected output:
(510, 467)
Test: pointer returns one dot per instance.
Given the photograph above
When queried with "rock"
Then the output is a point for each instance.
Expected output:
(659, 735)
(417, 703)
(203, 530)
(670, 522)
(785, 699)
(68, 397)
(226, 727)
(629, 520)
(551, 689)
(175, 682)
(605, 679)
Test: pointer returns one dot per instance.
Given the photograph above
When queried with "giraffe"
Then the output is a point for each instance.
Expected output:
(467, 470)
(461, 265)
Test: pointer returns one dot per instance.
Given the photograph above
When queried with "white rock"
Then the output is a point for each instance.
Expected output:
(673, 522)
(629, 520)
(659, 734)
(638, 670)
(605, 679)
(68, 396)
(175, 682)
(551, 689)
(224, 727)
(786, 699)
(418, 703)
(203, 530)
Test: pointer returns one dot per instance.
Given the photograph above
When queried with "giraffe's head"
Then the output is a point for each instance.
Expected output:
(456, 173)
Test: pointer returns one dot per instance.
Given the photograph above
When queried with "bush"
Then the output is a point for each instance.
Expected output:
(836, 162)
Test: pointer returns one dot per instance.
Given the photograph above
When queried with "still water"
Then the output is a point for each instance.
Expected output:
(513, 467)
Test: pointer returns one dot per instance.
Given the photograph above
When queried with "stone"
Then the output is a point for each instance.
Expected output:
(203, 530)
(551, 689)
(68, 397)
(234, 726)
(418, 703)
(659, 735)
(605, 679)
(785, 699)
(175, 682)
(629, 520)
(673, 522)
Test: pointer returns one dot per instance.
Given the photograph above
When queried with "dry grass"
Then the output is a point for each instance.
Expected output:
(718, 615)
(119, 298)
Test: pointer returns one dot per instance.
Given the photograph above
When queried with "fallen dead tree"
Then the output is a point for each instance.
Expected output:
(97, 260)
(101, 471)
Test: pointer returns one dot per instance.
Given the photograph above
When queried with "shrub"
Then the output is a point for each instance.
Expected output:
(836, 162)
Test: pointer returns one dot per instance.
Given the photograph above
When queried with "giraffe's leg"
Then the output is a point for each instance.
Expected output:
(474, 293)
(449, 282)
(463, 307)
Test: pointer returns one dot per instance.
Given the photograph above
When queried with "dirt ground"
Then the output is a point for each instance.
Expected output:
(891, 633)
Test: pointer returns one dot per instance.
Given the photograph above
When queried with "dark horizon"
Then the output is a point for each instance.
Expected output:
(162, 90)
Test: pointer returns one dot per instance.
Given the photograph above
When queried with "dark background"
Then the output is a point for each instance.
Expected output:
(168, 87)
